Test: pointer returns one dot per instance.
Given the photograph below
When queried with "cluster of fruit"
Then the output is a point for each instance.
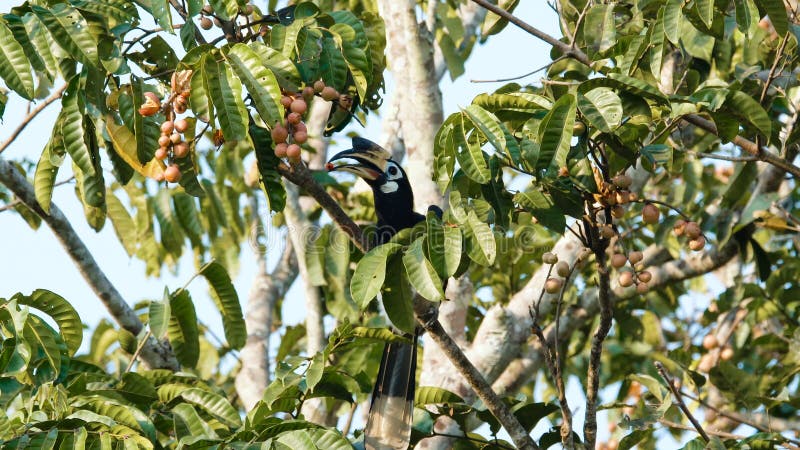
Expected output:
(296, 105)
(553, 284)
(637, 276)
(692, 232)
(208, 11)
(171, 145)
(616, 194)
(709, 360)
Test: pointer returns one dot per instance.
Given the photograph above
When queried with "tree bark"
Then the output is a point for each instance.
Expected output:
(154, 354)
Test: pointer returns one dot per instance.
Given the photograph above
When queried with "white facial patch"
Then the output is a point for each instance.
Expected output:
(389, 187)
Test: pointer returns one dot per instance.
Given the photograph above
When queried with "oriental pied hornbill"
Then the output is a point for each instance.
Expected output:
(390, 413)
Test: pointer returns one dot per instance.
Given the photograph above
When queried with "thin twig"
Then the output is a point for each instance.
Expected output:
(681, 426)
(725, 157)
(32, 115)
(501, 80)
(138, 350)
(771, 75)
(679, 399)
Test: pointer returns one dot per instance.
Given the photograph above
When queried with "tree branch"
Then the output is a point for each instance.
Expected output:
(679, 399)
(424, 311)
(32, 115)
(154, 354)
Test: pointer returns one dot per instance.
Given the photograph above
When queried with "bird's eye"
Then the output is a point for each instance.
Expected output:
(392, 170)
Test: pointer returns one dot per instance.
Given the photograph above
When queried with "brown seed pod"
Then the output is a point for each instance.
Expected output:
(180, 150)
(300, 126)
(635, 256)
(286, 101)
(549, 258)
(293, 151)
(174, 138)
(642, 288)
(618, 260)
(308, 94)
(552, 285)
(181, 125)
(697, 244)
(300, 137)
(294, 118)
(299, 106)
(172, 173)
(644, 276)
(618, 212)
(180, 108)
(164, 141)
(626, 279)
(606, 231)
(679, 228)
(206, 23)
(692, 230)
(622, 181)
(279, 133)
(650, 214)
(167, 127)
(161, 153)
(726, 354)
(329, 94)
(562, 269)
(280, 150)
(710, 341)
(319, 85)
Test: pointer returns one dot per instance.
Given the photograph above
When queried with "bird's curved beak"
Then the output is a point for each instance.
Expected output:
(366, 160)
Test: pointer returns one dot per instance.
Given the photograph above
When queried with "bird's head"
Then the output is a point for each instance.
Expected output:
(374, 164)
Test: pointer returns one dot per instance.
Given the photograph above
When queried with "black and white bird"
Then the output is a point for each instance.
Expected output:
(390, 413)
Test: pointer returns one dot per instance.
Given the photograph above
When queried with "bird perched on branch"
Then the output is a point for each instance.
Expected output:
(390, 413)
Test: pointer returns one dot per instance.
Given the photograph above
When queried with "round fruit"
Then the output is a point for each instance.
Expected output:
(299, 106)
(248, 9)
(618, 260)
(706, 363)
(300, 137)
(726, 353)
(642, 288)
(650, 214)
(622, 181)
(208, 9)
(697, 244)
(293, 151)
(644, 276)
(163, 141)
(606, 231)
(692, 230)
(329, 94)
(180, 150)
(626, 279)
(161, 153)
(286, 101)
(175, 138)
(635, 256)
(300, 127)
(280, 150)
(294, 118)
(623, 197)
(578, 129)
(319, 85)
(181, 125)
(206, 23)
(562, 269)
(549, 258)
(679, 228)
(618, 211)
(279, 133)
(172, 174)
(710, 342)
(167, 127)
(552, 285)
(308, 93)
(180, 108)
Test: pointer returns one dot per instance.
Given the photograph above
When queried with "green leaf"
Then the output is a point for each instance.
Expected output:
(435, 247)
(186, 212)
(657, 44)
(488, 124)
(144, 150)
(397, 295)
(225, 91)
(226, 299)
(555, 133)
(125, 146)
(672, 20)
(267, 162)
(72, 128)
(315, 369)
(45, 176)
(493, 23)
(170, 230)
(261, 84)
(199, 98)
(214, 404)
(748, 110)
(624, 83)
(370, 273)
(428, 395)
(45, 346)
(421, 273)
(61, 311)
(705, 9)
(124, 226)
(481, 246)
(159, 315)
(39, 38)
(15, 69)
(776, 11)
(195, 424)
(70, 31)
(182, 330)
(747, 17)
(602, 107)
(600, 20)
(656, 155)
(332, 66)
(160, 11)
(225, 9)
(634, 438)
(543, 208)
(282, 67)
(470, 156)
